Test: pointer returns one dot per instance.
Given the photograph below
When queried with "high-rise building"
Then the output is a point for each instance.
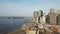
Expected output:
(58, 17)
(52, 17)
(58, 12)
(37, 15)
(40, 13)
(48, 19)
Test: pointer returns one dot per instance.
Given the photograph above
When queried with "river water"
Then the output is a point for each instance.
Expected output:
(9, 24)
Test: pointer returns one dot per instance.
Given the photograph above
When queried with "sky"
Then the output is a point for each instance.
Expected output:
(26, 7)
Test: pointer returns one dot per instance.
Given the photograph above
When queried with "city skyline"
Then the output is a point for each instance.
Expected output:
(26, 7)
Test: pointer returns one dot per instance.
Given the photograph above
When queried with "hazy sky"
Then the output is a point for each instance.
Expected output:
(26, 7)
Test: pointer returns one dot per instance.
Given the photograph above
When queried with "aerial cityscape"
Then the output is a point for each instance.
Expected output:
(29, 16)
(41, 24)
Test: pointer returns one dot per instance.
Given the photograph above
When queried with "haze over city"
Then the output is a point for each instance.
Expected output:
(26, 7)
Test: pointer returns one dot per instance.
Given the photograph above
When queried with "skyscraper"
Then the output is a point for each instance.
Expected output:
(36, 15)
(52, 16)
(58, 17)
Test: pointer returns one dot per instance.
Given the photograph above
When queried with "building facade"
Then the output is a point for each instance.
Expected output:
(58, 17)
(36, 16)
(51, 17)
